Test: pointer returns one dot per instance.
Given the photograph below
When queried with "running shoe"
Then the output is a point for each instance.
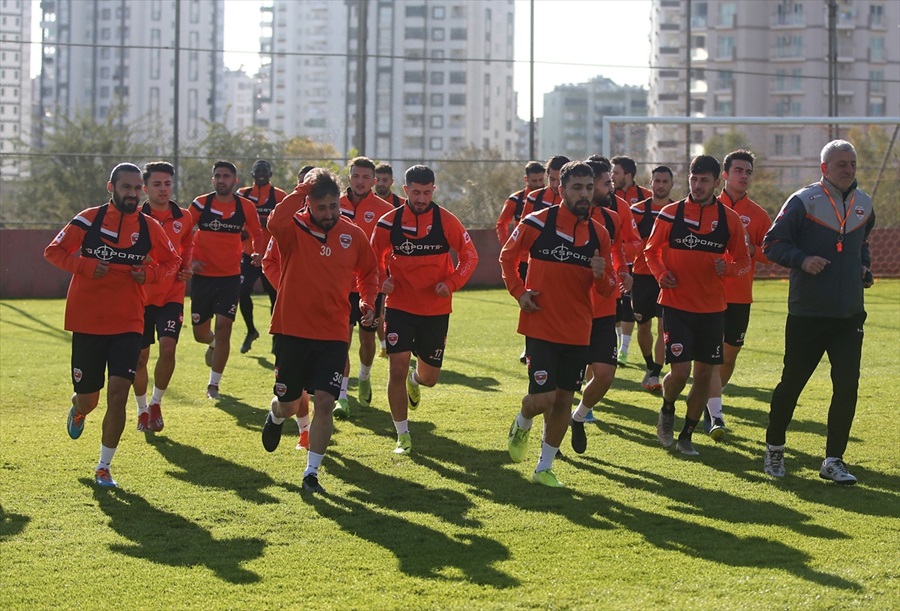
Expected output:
(75, 423)
(665, 427)
(404, 444)
(252, 336)
(651, 382)
(835, 470)
(104, 479)
(589, 418)
(341, 409)
(546, 478)
(364, 397)
(622, 359)
(271, 434)
(686, 447)
(155, 419)
(773, 463)
(212, 392)
(382, 354)
(518, 441)
(413, 393)
(718, 431)
(579, 437)
(143, 423)
(303, 441)
(311, 484)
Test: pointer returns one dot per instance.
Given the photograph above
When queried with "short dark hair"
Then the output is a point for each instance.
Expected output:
(534, 167)
(304, 171)
(596, 157)
(627, 163)
(158, 166)
(662, 169)
(598, 166)
(363, 162)
(574, 169)
(384, 168)
(225, 164)
(323, 183)
(419, 174)
(706, 164)
(557, 162)
(259, 162)
(740, 155)
(122, 167)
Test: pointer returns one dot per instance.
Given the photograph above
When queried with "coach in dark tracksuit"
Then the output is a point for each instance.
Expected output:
(821, 234)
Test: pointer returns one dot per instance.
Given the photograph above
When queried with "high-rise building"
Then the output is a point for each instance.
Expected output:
(771, 59)
(100, 54)
(573, 119)
(436, 76)
(15, 84)
(238, 99)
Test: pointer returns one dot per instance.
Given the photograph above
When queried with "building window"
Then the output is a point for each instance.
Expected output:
(154, 101)
(155, 58)
(415, 33)
(415, 11)
(438, 12)
(436, 100)
(457, 99)
(876, 81)
(156, 10)
(458, 12)
(876, 49)
(413, 99)
(458, 77)
(794, 144)
(876, 107)
(459, 34)
(436, 122)
(195, 11)
(437, 78)
(725, 49)
(436, 143)
(414, 76)
(779, 144)
(876, 15)
(437, 55)
(438, 34)
(789, 13)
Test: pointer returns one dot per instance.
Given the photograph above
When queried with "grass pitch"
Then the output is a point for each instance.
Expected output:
(205, 518)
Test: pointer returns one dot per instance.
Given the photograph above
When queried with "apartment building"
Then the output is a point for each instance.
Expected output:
(15, 85)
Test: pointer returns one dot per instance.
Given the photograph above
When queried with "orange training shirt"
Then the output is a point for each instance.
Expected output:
(756, 221)
(179, 227)
(264, 198)
(220, 251)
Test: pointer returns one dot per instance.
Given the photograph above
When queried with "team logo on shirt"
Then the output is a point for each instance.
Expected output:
(76, 374)
(860, 213)
(177, 226)
(369, 216)
(392, 338)
(346, 240)
(134, 238)
(745, 220)
(692, 241)
(515, 234)
(677, 349)
(280, 389)
(638, 317)
(60, 236)
(540, 377)
(714, 224)
(466, 237)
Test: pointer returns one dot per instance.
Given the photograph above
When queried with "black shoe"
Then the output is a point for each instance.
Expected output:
(311, 484)
(579, 438)
(271, 434)
(523, 358)
(248, 341)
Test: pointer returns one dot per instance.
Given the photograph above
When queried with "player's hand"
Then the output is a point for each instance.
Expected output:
(184, 274)
(527, 302)
(139, 274)
(668, 281)
(720, 267)
(598, 264)
(387, 287)
(197, 266)
(814, 265)
(442, 290)
(256, 259)
(752, 249)
(868, 278)
(626, 282)
(368, 319)
(101, 269)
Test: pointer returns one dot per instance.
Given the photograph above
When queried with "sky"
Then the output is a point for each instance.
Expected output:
(575, 40)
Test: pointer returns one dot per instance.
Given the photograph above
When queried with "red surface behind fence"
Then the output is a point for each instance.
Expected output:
(25, 274)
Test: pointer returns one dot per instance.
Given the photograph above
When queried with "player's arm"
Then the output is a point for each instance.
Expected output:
(271, 263)
(631, 237)
(366, 272)
(606, 282)
(657, 243)
(779, 245)
(461, 242)
(521, 240)
(281, 217)
(163, 262)
(253, 227)
(61, 251)
(507, 215)
(381, 246)
(737, 246)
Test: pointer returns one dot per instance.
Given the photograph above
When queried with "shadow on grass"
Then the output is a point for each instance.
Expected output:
(207, 471)
(245, 415)
(169, 539)
(42, 326)
(11, 524)
(266, 362)
(479, 383)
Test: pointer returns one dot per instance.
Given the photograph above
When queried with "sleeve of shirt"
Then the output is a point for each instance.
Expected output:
(381, 244)
(163, 260)
(461, 242)
(271, 263)
(521, 239)
(737, 246)
(61, 251)
(757, 233)
(779, 243)
(251, 224)
(187, 242)
(503, 222)
(366, 271)
(281, 217)
(607, 282)
(631, 237)
(656, 245)
(619, 257)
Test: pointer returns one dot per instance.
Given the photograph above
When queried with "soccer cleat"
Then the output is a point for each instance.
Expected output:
(773, 463)
(413, 394)
(686, 447)
(835, 470)
(579, 437)
(546, 478)
(665, 427)
(365, 393)
(271, 434)
(651, 382)
(208, 356)
(518, 441)
(143, 422)
(622, 359)
(252, 336)
(311, 484)
(155, 419)
(303, 441)
(104, 479)
(341, 409)
(404, 444)
(212, 392)
(707, 420)
(523, 358)
(589, 418)
(75, 423)
(718, 431)
(382, 354)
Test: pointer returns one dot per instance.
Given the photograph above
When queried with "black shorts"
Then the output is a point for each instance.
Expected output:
(308, 364)
(523, 270)
(624, 312)
(217, 295)
(604, 346)
(737, 319)
(92, 355)
(162, 321)
(425, 336)
(552, 365)
(693, 337)
(250, 274)
(356, 313)
(644, 293)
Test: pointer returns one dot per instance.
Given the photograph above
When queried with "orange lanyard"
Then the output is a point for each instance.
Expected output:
(841, 221)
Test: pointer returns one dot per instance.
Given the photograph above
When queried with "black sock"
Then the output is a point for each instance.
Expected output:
(668, 406)
(649, 360)
(655, 369)
(688, 429)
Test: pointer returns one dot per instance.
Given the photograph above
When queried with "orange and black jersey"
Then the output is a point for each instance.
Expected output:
(217, 241)
(264, 198)
(511, 213)
(756, 221)
(540, 199)
(605, 305)
(394, 200)
(633, 194)
(560, 247)
(114, 303)
(366, 213)
(179, 227)
(644, 214)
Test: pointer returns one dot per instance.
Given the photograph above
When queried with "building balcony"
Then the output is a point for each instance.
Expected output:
(787, 22)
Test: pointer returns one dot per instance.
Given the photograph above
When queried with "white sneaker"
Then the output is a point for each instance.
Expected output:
(835, 470)
(773, 463)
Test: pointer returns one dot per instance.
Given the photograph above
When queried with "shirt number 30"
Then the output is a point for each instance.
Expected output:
(325, 251)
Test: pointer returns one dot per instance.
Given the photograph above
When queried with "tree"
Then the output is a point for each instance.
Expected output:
(474, 183)
(872, 143)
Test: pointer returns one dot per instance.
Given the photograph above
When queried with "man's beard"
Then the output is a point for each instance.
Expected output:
(321, 226)
(125, 205)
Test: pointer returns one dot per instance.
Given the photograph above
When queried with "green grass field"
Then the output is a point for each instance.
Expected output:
(205, 518)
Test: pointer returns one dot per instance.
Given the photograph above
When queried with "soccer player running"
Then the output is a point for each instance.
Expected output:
(602, 349)
(322, 253)
(546, 196)
(164, 309)
(645, 292)
(384, 181)
(737, 174)
(264, 196)
(220, 218)
(119, 250)
(412, 244)
(363, 208)
(568, 255)
(686, 254)
(822, 234)
(512, 210)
